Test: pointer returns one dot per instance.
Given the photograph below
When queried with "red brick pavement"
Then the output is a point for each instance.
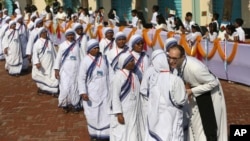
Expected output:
(26, 116)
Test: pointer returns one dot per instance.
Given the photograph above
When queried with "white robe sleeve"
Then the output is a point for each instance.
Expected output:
(84, 45)
(116, 91)
(58, 58)
(145, 81)
(177, 91)
(207, 80)
(35, 57)
(30, 43)
(82, 86)
(213, 36)
(102, 45)
(5, 41)
(145, 63)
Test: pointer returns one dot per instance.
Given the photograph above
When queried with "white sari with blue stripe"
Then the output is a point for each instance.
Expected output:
(125, 100)
(68, 62)
(14, 58)
(44, 53)
(92, 80)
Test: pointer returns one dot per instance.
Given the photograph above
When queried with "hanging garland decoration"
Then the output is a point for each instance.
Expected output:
(185, 45)
(132, 32)
(231, 56)
(170, 34)
(197, 48)
(211, 53)
(99, 32)
(218, 47)
(146, 38)
(121, 28)
(50, 27)
(87, 28)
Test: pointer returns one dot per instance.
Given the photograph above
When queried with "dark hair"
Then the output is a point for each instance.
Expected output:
(179, 47)
(216, 16)
(86, 11)
(101, 8)
(161, 19)
(214, 27)
(231, 28)
(178, 23)
(239, 21)
(156, 8)
(189, 14)
(33, 8)
(134, 11)
(141, 17)
(28, 8)
(69, 13)
(47, 9)
(196, 27)
(111, 14)
(80, 8)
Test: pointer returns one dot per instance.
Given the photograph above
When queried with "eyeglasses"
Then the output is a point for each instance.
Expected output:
(173, 58)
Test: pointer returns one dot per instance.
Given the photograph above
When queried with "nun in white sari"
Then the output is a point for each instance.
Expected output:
(166, 96)
(3, 29)
(117, 50)
(43, 59)
(93, 87)
(12, 50)
(23, 36)
(124, 102)
(66, 70)
(107, 42)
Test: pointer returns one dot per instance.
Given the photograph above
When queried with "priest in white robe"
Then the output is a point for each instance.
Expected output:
(43, 60)
(12, 50)
(206, 99)
(125, 87)
(107, 42)
(66, 71)
(93, 88)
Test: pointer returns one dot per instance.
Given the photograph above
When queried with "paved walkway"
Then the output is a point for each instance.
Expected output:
(26, 116)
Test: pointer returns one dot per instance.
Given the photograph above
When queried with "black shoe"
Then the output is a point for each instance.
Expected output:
(66, 109)
(39, 92)
(55, 95)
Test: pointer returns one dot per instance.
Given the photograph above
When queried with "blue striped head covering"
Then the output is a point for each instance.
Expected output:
(119, 35)
(107, 30)
(69, 31)
(8, 18)
(11, 23)
(40, 30)
(92, 43)
(135, 39)
(18, 17)
(169, 43)
(77, 25)
(124, 59)
(37, 21)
